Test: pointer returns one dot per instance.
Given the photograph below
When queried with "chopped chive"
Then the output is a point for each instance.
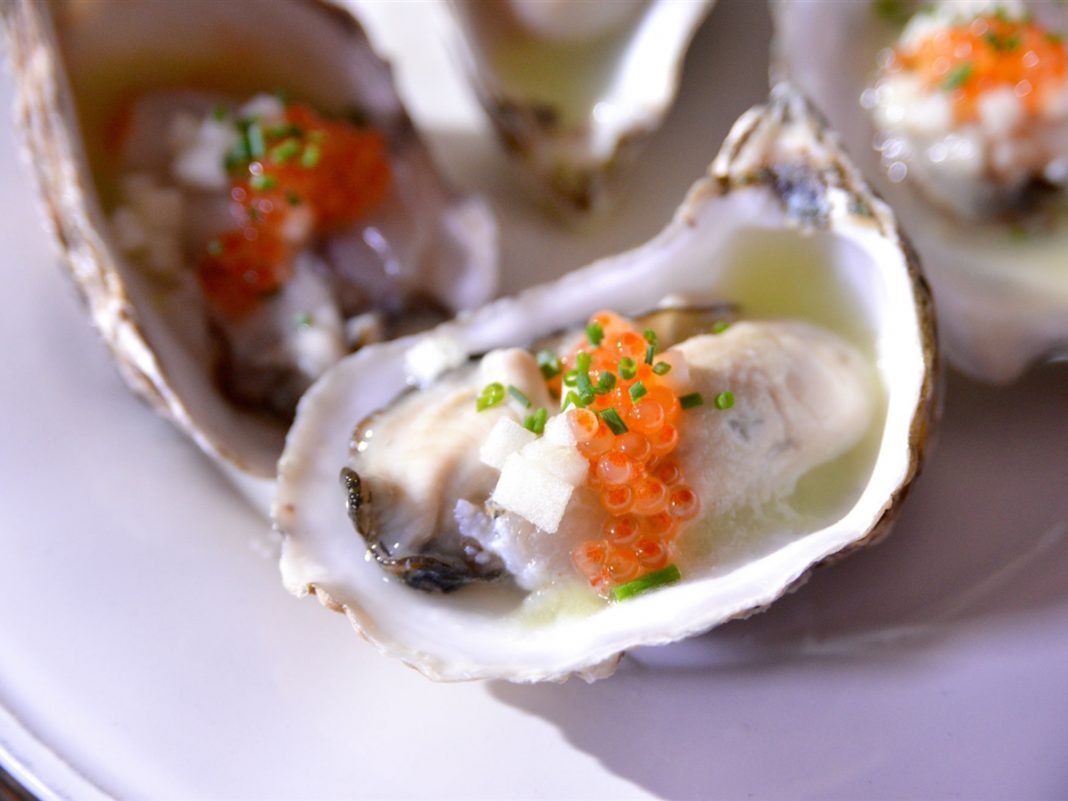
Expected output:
(587, 398)
(583, 384)
(263, 183)
(650, 337)
(582, 362)
(549, 363)
(215, 247)
(572, 399)
(492, 395)
(958, 76)
(614, 421)
(650, 353)
(595, 333)
(724, 400)
(691, 400)
(650, 581)
(283, 131)
(219, 112)
(302, 320)
(637, 391)
(517, 393)
(285, 151)
(540, 418)
(570, 378)
(627, 368)
(720, 326)
(311, 155)
(292, 198)
(605, 383)
(661, 368)
(256, 146)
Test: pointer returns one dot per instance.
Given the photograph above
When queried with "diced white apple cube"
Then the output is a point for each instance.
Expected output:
(562, 461)
(558, 430)
(532, 493)
(505, 438)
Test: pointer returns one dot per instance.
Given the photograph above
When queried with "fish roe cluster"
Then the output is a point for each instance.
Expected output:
(301, 177)
(626, 428)
(991, 51)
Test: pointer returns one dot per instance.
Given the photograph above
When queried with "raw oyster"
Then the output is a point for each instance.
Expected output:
(150, 76)
(573, 89)
(783, 226)
(975, 164)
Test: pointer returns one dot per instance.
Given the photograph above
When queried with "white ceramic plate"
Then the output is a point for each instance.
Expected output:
(147, 649)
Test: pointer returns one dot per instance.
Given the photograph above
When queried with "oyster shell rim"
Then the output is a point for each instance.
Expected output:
(784, 104)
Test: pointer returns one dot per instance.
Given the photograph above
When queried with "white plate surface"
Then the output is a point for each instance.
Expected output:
(147, 649)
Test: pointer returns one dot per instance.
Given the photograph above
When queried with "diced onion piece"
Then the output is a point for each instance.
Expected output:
(505, 438)
(527, 490)
(562, 461)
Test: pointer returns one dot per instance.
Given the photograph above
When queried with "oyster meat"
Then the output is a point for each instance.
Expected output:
(237, 221)
(480, 525)
(573, 89)
(958, 112)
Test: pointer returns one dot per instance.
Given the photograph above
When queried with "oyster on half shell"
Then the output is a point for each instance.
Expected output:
(97, 80)
(783, 228)
(994, 245)
(573, 89)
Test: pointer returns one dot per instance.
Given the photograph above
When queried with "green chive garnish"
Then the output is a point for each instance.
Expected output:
(215, 247)
(572, 399)
(724, 400)
(292, 198)
(256, 146)
(627, 368)
(614, 421)
(570, 378)
(650, 353)
(262, 183)
(650, 337)
(310, 157)
(582, 362)
(720, 326)
(691, 400)
(637, 391)
(583, 384)
(661, 368)
(302, 320)
(605, 383)
(650, 581)
(517, 393)
(492, 395)
(549, 363)
(536, 422)
(595, 333)
(958, 76)
(286, 151)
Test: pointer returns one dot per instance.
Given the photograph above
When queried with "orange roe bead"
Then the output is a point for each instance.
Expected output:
(650, 496)
(667, 400)
(621, 530)
(589, 557)
(600, 443)
(584, 424)
(615, 468)
(622, 565)
(660, 525)
(669, 473)
(651, 553)
(646, 416)
(664, 440)
(633, 445)
(629, 345)
(684, 503)
(617, 498)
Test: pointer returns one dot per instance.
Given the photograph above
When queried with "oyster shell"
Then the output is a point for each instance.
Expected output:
(574, 89)
(79, 61)
(784, 226)
(1001, 281)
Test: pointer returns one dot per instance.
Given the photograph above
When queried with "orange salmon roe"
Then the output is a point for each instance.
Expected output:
(642, 491)
(992, 51)
(315, 176)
